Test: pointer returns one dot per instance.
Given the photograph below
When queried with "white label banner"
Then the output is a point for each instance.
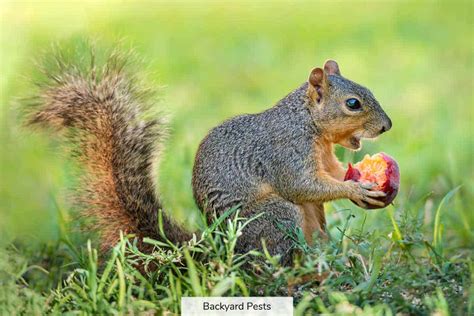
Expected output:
(244, 306)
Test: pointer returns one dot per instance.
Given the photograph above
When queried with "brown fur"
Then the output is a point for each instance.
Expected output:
(103, 117)
(264, 190)
(314, 220)
(279, 162)
(286, 155)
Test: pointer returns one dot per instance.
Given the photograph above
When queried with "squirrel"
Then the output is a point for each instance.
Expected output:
(280, 162)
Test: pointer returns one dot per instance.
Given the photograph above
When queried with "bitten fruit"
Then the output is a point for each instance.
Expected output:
(382, 171)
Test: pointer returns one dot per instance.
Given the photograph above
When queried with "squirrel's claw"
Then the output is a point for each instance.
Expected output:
(375, 193)
(361, 204)
(374, 202)
(367, 185)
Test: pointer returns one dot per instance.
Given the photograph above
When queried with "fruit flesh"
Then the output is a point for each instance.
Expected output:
(380, 170)
(372, 170)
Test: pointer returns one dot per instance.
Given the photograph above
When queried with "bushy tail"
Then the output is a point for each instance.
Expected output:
(103, 113)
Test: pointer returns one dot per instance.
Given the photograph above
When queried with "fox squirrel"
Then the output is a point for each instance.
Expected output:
(280, 161)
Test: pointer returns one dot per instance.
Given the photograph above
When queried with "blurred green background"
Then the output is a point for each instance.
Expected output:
(213, 60)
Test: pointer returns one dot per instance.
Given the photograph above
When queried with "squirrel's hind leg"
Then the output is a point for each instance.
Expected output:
(314, 220)
(276, 226)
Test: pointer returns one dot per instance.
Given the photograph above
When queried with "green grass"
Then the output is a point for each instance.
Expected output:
(213, 61)
(364, 272)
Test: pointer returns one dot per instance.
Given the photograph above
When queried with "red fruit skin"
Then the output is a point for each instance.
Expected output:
(352, 174)
(390, 186)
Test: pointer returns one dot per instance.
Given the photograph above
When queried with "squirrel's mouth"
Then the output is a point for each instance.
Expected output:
(355, 142)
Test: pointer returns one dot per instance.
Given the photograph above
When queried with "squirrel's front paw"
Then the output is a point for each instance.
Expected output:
(362, 194)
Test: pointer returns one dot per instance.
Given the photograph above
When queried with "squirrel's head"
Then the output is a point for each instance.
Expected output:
(345, 110)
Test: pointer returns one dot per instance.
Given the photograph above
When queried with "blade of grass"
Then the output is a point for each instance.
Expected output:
(193, 275)
(92, 274)
(121, 277)
(438, 227)
(397, 234)
(106, 272)
(222, 286)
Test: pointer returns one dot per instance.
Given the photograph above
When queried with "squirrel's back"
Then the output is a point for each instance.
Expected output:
(237, 159)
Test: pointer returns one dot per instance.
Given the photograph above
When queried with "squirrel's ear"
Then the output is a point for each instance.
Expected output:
(316, 84)
(332, 68)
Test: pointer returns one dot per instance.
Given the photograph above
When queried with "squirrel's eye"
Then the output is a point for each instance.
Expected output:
(353, 104)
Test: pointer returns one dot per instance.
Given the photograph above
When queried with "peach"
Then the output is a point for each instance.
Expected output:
(381, 171)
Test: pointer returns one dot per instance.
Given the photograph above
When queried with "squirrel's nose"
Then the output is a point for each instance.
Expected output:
(386, 127)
